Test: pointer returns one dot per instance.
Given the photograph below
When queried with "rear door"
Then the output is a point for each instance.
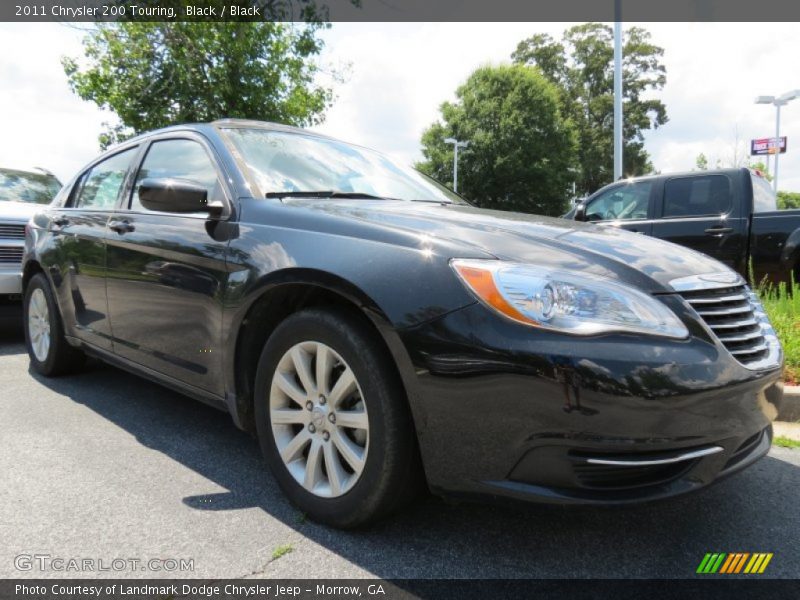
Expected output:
(78, 263)
(166, 271)
(704, 212)
(626, 205)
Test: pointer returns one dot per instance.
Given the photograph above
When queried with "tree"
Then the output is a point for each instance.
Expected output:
(701, 162)
(157, 74)
(788, 200)
(581, 65)
(520, 146)
(762, 169)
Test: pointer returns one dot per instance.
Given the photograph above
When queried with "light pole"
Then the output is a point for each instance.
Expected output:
(777, 102)
(617, 89)
(456, 145)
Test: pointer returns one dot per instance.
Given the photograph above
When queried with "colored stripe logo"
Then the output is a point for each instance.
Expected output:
(734, 562)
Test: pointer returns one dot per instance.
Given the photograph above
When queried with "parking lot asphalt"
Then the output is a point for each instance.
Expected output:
(105, 465)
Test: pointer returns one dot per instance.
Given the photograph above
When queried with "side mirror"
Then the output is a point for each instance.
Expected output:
(580, 212)
(176, 196)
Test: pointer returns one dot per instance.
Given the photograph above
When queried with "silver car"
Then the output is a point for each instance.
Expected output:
(21, 194)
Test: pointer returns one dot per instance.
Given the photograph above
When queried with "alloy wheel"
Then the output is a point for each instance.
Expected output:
(39, 325)
(319, 419)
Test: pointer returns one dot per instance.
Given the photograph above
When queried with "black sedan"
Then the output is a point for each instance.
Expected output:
(377, 333)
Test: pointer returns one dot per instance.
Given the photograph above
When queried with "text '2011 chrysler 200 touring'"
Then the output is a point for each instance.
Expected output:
(378, 333)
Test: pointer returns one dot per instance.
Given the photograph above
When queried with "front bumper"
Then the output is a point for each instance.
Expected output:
(10, 279)
(509, 411)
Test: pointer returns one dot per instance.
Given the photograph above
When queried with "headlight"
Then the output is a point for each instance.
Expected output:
(578, 304)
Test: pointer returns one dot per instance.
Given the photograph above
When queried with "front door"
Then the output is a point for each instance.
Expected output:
(702, 213)
(166, 272)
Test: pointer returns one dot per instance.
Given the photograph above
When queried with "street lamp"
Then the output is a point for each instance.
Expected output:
(456, 146)
(618, 144)
(777, 103)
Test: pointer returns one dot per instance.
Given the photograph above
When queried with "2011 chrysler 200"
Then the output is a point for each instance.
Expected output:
(378, 332)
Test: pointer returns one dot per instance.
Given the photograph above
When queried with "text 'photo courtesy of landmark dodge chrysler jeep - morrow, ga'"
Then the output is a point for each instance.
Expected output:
(379, 334)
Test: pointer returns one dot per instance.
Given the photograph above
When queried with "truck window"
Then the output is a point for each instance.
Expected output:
(700, 196)
(763, 196)
(628, 201)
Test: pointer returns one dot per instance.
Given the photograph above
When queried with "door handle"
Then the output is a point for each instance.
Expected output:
(60, 221)
(718, 231)
(121, 227)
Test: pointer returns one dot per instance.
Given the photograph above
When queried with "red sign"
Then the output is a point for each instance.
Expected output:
(766, 146)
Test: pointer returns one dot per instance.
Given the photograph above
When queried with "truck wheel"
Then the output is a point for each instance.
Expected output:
(50, 353)
(333, 421)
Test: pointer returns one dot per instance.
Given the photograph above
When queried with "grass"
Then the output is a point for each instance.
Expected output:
(281, 551)
(783, 309)
(785, 442)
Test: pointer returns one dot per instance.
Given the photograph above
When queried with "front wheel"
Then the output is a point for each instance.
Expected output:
(50, 353)
(332, 419)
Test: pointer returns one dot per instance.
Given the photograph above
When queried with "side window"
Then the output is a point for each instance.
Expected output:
(177, 159)
(701, 196)
(99, 187)
(628, 201)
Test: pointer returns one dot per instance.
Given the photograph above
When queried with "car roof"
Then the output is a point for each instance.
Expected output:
(227, 123)
(696, 173)
(35, 171)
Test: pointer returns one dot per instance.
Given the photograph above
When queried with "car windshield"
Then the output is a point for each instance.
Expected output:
(21, 186)
(294, 163)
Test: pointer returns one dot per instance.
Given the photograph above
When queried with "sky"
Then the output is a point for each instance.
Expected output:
(398, 74)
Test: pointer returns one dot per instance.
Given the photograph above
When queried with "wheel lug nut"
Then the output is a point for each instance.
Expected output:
(326, 436)
(322, 400)
(309, 405)
(332, 418)
(311, 427)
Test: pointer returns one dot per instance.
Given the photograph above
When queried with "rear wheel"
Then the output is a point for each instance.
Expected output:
(50, 353)
(332, 419)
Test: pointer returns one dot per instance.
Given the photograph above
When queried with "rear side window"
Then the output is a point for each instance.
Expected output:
(702, 196)
(763, 195)
(99, 187)
(177, 159)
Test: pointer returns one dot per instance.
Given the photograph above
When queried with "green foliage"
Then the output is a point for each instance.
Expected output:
(281, 551)
(581, 65)
(701, 162)
(788, 200)
(157, 74)
(520, 150)
(760, 166)
(785, 442)
(782, 304)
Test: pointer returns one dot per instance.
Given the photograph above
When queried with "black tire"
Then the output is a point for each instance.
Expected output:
(61, 358)
(392, 471)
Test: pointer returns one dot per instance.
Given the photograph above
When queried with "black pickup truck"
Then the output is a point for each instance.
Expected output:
(730, 214)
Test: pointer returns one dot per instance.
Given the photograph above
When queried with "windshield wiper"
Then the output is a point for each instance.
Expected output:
(327, 194)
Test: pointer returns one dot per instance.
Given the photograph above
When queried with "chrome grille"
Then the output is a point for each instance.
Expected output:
(735, 316)
(11, 254)
(12, 231)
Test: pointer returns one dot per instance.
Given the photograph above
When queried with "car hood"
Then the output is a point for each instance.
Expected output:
(18, 211)
(645, 262)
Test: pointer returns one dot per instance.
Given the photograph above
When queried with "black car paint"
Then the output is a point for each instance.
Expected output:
(485, 393)
(770, 241)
